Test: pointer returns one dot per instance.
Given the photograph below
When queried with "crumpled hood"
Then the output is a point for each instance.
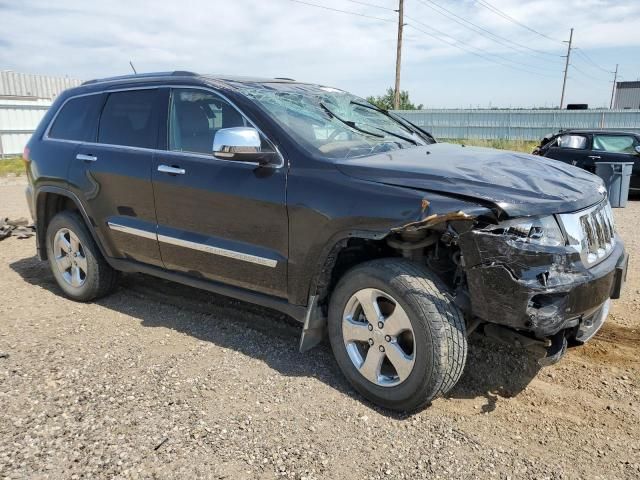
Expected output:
(516, 183)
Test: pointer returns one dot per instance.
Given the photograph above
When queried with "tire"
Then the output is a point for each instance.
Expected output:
(96, 278)
(436, 354)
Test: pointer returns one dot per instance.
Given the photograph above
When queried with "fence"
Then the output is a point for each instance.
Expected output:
(18, 119)
(517, 124)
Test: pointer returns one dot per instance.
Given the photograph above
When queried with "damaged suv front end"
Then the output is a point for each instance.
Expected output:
(547, 278)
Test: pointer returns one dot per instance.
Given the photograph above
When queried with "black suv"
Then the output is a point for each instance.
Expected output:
(309, 200)
(584, 148)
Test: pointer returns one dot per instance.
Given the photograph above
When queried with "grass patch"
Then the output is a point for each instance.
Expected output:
(515, 145)
(11, 165)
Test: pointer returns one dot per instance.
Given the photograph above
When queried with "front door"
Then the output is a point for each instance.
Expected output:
(221, 220)
(112, 175)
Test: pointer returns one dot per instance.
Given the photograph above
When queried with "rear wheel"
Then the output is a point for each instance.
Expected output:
(395, 335)
(75, 260)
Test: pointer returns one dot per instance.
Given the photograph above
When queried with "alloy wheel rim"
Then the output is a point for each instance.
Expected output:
(378, 337)
(70, 257)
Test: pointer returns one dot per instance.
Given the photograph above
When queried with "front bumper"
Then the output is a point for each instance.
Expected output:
(541, 290)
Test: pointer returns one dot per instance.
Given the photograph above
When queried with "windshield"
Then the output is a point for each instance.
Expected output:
(331, 122)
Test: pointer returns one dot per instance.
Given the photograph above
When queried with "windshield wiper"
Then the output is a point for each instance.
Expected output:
(395, 118)
(384, 112)
(348, 123)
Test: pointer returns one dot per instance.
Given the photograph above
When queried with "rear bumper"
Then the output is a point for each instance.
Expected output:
(543, 291)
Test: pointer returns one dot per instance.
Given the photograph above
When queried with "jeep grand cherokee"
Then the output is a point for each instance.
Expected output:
(309, 200)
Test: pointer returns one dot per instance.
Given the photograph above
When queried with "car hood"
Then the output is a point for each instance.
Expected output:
(517, 184)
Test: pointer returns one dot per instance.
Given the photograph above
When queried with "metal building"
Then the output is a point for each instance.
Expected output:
(627, 95)
(24, 99)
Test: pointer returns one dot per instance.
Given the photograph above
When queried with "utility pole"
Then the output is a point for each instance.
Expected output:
(396, 93)
(566, 69)
(613, 89)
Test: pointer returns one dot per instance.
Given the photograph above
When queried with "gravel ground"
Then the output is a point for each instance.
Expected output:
(164, 381)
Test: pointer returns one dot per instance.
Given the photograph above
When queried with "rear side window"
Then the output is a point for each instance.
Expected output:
(129, 119)
(577, 142)
(77, 119)
(615, 143)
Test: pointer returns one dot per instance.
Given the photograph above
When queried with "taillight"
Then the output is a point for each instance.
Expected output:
(25, 155)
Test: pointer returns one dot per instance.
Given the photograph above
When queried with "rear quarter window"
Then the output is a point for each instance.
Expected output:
(77, 119)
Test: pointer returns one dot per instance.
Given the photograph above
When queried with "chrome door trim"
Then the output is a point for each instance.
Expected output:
(133, 231)
(223, 252)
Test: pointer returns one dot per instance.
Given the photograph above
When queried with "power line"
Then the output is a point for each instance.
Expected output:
(457, 45)
(590, 60)
(343, 11)
(479, 29)
(499, 12)
(358, 2)
(468, 45)
(586, 74)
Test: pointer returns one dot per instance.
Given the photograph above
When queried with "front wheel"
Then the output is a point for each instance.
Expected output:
(395, 335)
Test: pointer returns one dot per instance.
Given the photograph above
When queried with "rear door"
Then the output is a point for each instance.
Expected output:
(112, 174)
(572, 148)
(614, 147)
(222, 220)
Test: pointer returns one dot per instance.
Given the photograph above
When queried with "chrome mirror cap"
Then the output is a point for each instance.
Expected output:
(637, 149)
(229, 142)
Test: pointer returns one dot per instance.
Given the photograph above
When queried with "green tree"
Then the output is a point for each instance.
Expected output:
(386, 101)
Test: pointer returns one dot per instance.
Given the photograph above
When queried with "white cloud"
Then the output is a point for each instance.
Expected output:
(282, 38)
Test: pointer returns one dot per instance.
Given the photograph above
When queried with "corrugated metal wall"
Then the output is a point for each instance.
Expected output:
(517, 124)
(16, 84)
(628, 97)
(18, 120)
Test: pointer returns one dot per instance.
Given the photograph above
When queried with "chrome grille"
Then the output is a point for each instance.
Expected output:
(592, 231)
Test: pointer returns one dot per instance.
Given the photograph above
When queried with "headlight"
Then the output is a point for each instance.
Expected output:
(538, 230)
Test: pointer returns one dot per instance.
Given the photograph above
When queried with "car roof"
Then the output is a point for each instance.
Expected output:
(597, 130)
(182, 74)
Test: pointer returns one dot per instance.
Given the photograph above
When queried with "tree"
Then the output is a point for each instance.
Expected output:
(386, 101)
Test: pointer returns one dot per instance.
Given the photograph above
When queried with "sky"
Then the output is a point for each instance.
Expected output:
(446, 61)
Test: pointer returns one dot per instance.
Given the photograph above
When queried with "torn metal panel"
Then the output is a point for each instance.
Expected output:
(532, 287)
(433, 220)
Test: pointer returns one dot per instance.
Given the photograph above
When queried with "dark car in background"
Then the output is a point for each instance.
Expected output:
(311, 201)
(583, 148)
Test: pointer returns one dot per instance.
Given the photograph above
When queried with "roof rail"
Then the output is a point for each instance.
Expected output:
(176, 73)
(284, 78)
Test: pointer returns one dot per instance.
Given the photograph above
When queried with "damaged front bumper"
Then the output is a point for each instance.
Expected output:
(542, 291)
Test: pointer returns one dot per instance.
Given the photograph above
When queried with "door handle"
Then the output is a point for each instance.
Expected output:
(171, 170)
(86, 158)
(595, 157)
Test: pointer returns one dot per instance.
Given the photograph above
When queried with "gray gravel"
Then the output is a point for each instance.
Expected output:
(164, 381)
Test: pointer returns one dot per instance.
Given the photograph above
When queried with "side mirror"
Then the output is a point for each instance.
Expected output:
(241, 144)
(637, 149)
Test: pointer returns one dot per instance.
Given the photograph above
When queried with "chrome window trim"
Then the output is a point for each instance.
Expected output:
(155, 150)
(202, 247)
(223, 252)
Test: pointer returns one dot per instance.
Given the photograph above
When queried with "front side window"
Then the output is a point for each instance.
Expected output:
(330, 122)
(129, 119)
(77, 119)
(194, 118)
(577, 142)
(615, 143)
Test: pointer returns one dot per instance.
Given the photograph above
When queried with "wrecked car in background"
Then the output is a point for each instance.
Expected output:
(311, 201)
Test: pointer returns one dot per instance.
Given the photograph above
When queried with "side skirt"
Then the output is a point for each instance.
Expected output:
(297, 312)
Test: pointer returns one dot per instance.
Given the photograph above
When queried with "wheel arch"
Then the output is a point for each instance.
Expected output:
(50, 200)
